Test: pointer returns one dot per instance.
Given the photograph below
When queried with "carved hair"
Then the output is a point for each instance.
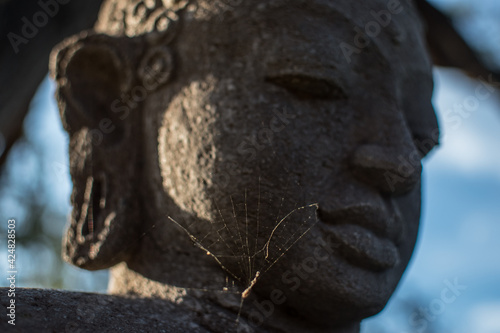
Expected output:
(157, 19)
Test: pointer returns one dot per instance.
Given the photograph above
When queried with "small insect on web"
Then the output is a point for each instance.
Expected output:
(244, 246)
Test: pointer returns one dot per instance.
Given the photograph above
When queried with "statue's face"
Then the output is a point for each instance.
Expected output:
(266, 116)
(286, 144)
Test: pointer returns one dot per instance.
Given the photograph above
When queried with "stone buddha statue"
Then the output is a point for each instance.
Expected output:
(255, 163)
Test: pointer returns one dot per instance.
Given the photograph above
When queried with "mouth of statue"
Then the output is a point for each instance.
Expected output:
(365, 235)
(94, 202)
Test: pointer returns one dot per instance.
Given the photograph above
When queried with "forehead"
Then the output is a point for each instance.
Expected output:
(327, 33)
(309, 35)
(388, 26)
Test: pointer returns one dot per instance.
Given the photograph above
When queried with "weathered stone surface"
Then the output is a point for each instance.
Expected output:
(45, 310)
(261, 159)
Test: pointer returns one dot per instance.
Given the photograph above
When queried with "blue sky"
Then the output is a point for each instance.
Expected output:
(460, 228)
(460, 221)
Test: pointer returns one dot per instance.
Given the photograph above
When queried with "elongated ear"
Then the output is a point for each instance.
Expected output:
(91, 72)
(93, 77)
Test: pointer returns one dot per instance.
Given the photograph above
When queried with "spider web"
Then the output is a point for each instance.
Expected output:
(252, 248)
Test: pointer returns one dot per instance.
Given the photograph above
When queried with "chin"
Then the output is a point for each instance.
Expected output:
(325, 285)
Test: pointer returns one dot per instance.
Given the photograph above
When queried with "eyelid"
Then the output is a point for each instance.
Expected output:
(304, 85)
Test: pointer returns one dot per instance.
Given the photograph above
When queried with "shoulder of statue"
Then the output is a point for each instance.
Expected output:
(40, 310)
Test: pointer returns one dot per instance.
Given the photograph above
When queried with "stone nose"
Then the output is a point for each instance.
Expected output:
(392, 170)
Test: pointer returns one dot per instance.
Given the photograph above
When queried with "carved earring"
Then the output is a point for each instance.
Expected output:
(104, 127)
(156, 67)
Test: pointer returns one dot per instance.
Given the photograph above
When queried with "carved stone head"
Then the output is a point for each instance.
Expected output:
(283, 138)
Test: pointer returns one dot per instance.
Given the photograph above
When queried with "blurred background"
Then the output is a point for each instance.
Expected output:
(453, 281)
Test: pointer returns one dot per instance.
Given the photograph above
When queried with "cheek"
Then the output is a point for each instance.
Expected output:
(187, 153)
(409, 205)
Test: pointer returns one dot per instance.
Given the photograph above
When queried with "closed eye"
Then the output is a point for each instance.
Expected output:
(308, 87)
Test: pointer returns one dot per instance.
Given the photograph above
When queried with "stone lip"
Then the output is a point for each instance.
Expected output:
(48, 310)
